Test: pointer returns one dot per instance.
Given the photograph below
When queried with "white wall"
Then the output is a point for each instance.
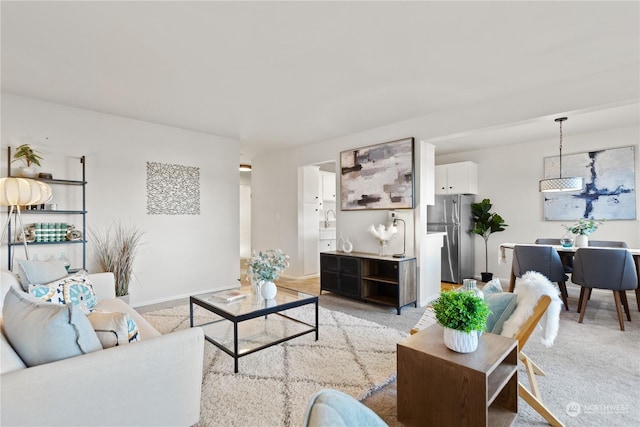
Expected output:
(183, 254)
(508, 175)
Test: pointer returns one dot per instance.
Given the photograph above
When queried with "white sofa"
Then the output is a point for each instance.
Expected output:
(153, 382)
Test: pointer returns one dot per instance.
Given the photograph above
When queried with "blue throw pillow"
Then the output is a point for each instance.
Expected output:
(502, 305)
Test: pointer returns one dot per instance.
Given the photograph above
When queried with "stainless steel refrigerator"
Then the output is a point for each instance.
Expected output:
(452, 214)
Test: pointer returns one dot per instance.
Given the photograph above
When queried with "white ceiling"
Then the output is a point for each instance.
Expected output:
(280, 74)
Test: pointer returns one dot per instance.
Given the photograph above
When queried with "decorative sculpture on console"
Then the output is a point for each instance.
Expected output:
(383, 234)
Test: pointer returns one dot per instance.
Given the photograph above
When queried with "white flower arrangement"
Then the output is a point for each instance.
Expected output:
(266, 265)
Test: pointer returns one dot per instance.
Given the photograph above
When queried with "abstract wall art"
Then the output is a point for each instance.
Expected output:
(609, 191)
(172, 189)
(378, 176)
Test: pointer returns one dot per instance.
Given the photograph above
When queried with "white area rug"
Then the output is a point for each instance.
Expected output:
(273, 386)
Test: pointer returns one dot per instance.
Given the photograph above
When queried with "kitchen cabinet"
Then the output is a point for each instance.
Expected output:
(311, 184)
(456, 178)
(328, 180)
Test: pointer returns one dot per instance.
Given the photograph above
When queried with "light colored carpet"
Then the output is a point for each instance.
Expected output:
(593, 364)
(273, 386)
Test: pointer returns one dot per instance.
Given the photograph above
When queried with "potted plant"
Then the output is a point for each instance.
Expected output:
(28, 156)
(264, 268)
(115, 251)
(486, 223)
(462, 314)
(582, 229)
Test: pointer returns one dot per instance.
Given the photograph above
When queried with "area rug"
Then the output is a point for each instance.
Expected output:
(273, 386)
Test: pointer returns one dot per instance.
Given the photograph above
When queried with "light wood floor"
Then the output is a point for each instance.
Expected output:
(310, 285)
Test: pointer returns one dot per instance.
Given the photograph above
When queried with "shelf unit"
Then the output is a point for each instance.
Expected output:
(481, 387)
(82, 213)
(378, 279)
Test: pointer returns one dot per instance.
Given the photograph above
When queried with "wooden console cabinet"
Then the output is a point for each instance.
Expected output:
(439, 387)
(380, 279)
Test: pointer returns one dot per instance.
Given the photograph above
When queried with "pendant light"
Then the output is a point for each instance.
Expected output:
(553, 185)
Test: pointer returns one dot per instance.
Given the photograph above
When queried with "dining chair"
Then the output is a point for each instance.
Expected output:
(544, 260)
(607, 244)
(605, 268)
(567, 259)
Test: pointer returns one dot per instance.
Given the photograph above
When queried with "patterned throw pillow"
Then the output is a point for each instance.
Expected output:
(76, 289)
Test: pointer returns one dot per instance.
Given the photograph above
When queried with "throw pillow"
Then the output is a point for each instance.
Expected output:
(42, 332)
(502, 306)
(112, 328)
(76, 289)
(40, 272)
(492, 287)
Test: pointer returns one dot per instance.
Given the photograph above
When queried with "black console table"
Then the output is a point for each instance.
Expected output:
(380, 279)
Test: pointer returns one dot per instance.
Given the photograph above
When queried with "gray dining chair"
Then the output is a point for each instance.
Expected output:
(544, 260)
(607, 244)
(605, 268)
(567, 259)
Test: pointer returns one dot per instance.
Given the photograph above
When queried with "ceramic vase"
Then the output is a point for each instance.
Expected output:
(582, 241)
(459, 341)
(28, 172)
(268, 290)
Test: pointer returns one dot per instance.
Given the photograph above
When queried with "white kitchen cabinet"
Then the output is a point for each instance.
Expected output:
(327, 245)
(328, 180)
(310, 238)
(311, 184)
(456, 178)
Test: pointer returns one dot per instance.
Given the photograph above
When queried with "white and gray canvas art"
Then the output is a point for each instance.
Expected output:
(172, 189)
(609, 191)
(377, 177)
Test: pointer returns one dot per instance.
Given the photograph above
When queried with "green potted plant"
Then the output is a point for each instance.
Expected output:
(486, 223)
(463, 315)
(582, 229)
(28, 156)
(115, 250)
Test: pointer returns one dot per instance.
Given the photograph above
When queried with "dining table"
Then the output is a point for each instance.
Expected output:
(565, 251)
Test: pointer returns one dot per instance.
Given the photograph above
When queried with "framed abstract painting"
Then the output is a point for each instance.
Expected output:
(609, 191)
(378, 176)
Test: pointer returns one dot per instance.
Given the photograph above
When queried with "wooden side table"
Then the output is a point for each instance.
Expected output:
(439, 387)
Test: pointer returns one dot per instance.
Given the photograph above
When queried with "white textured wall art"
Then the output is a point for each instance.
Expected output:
(172, 189)
(609, 191)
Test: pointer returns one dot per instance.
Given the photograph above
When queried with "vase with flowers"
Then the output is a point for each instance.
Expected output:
(264, 268)
(582, 229)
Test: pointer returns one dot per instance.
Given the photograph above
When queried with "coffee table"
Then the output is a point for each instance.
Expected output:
(251, 324)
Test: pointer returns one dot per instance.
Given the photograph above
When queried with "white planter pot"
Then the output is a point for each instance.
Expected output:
(461, 342)
(28, 172)
(269, 290)
(582, 241)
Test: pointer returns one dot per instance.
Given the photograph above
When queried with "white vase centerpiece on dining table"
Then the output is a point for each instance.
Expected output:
(264, 268)
(383, 234)
(582, 229)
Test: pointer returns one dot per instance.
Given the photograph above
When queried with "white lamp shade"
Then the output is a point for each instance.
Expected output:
(23, 192)
(554, 185)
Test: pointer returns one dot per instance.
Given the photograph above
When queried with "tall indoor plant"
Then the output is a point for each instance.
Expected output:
(485, 224)
(462, 314)
(115, 251)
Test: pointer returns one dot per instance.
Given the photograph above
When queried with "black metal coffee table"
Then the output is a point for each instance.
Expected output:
(252, 323)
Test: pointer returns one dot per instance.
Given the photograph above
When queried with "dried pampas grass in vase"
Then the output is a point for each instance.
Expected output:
(115, 250)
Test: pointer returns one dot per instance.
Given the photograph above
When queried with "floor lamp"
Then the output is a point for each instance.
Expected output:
(16, 192)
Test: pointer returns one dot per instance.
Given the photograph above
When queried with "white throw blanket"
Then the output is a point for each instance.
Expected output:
(529, 288)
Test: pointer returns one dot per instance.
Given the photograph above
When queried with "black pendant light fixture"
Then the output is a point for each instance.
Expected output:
(561, 183)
